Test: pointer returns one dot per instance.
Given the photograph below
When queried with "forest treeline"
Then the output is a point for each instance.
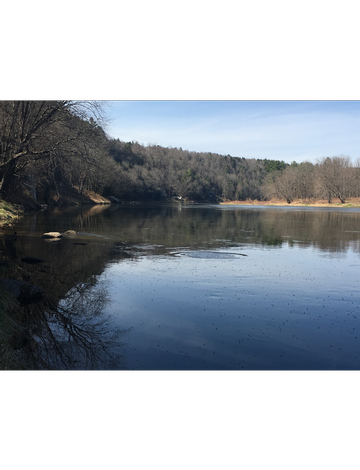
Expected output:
(50, 147)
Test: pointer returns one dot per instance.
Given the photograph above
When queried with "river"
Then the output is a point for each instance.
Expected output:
(189, 287)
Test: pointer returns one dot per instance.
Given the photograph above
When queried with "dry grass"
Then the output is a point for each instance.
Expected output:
(350, 202)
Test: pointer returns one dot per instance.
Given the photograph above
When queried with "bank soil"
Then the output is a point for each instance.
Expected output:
(72, 196)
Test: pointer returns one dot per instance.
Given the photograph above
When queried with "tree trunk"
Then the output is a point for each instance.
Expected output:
(7, 179)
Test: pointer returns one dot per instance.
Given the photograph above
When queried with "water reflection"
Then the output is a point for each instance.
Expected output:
(68, 329)
(74, 334)
(203, 226)
(204, 287)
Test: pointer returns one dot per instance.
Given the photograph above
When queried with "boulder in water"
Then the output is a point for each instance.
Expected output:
(52, 235)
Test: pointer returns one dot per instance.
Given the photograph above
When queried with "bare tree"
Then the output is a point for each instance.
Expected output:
(31, 131)
(284, 183)
(336, 177)
(305, 182)
(357, 177)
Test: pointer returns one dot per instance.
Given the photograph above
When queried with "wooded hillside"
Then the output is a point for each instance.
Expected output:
(51, 148)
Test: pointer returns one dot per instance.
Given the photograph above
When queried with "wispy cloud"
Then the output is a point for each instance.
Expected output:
(285, 130)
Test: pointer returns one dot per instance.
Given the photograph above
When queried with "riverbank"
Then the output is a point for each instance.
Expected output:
(74, 197)
(9, 213)
(350, 202)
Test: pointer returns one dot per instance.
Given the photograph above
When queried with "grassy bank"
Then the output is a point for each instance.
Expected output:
(350, 202)
(9, 213)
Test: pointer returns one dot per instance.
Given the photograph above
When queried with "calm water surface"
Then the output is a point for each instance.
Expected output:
(193, 287)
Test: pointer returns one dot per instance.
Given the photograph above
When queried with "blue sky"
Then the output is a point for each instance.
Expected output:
(277, 130)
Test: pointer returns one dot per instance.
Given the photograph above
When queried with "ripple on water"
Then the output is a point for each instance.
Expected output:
(211, 254)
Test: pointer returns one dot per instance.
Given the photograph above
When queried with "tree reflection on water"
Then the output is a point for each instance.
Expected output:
(73, 335)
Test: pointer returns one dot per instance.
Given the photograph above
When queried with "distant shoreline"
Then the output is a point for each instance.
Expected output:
(350, 202)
